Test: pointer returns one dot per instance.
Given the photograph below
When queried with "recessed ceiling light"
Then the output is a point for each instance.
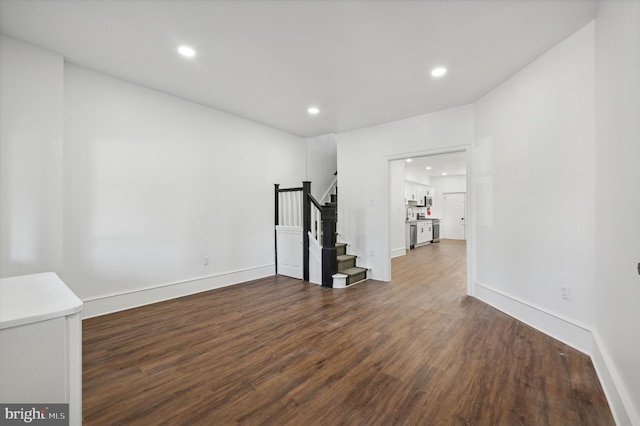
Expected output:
(186, 51)
(409, 160)
(444, 174)
(428, 168)
(438, 72)
(313, 110)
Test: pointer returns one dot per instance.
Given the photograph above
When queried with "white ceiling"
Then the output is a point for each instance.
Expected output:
(361, 62)
(453, 164)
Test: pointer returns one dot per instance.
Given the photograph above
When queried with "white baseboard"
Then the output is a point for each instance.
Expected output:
(555, 325)
(575, 335)
(110, 303)
(398, 252)
(620, 400)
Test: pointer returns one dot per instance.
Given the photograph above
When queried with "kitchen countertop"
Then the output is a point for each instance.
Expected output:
(421, 220)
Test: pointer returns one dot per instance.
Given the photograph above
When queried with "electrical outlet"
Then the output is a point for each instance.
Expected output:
(564, 292)
(205, 261)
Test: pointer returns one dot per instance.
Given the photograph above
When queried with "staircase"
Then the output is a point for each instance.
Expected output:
(298, 215)
(348, 273)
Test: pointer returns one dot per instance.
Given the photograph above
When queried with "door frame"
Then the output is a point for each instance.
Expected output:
(469, 207)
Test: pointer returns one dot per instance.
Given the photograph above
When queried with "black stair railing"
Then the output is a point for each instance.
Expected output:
(328, 218)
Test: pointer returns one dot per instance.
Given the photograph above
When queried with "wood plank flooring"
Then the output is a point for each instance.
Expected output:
(277, 351)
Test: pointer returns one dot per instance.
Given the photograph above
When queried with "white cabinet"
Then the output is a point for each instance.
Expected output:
(425, 232)
(410, 192)
(416, 192)
(421, 234)
(421, 192)
(41, 341)
(428, 191)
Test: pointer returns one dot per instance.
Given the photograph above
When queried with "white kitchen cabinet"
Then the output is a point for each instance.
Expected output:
(425, 232)
(410, 192)
(417, 192)
(421, 192)
(428, 191)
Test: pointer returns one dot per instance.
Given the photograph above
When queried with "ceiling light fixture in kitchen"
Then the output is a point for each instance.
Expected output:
(428, 167)
(438, 72)
(444, 174)
(187, 51)
(313, 110)
(409, 160)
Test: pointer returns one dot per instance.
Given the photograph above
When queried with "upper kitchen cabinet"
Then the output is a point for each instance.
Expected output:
(410, 192)
(415, 193)
(428, 191)
(422, 194)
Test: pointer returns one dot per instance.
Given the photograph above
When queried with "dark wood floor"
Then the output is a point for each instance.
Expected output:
(278, 351)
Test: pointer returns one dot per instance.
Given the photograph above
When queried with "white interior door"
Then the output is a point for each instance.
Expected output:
(453, 220)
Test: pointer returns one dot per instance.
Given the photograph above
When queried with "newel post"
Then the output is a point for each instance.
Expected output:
(306, 228)
(329, 256)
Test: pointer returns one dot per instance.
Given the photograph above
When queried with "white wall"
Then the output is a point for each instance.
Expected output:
(420, 178)
(30, 159)
(534, 186)
(322, 163)
(153, 184)
(442, 185)
(363, 174)
(617, 231)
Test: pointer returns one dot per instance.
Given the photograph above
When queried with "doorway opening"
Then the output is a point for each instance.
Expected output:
(423, 188)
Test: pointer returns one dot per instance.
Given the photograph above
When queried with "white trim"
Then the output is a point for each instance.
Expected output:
(470, 212)
(326, 195)
(351, 249)
(114, 302)
(574, 334)
(74, 366)
(398, 252)
(620, 400)
(315, 260)
(339, 280)
(559, 327)
(288, 227)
